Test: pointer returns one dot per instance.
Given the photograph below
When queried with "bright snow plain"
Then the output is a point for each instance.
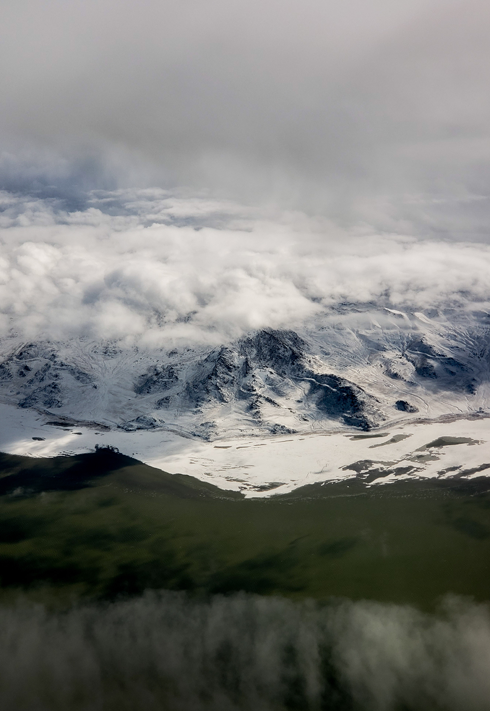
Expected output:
(262, 466)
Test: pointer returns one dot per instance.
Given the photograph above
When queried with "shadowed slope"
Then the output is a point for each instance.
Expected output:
(103, 525)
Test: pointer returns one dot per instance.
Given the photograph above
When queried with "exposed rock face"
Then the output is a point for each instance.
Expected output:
(215, 378)
(430, 362)
(143, 422)
(283, 351)
(273, 366)
(338, 398)
(158, 379)
(48, 396)
(42, 378)
(405, 406)
(271, 380)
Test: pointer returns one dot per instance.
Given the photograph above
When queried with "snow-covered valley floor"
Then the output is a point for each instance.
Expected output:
(261, 466)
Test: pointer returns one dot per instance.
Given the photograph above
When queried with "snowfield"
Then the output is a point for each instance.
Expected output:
(363, 391)
(261, 466)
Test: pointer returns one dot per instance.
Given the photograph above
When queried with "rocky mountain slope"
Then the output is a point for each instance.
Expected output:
(355, 367)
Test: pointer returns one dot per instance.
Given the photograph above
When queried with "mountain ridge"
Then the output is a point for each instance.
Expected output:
(334, 373)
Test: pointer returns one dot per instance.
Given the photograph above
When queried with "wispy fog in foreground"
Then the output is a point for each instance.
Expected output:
(163, 651)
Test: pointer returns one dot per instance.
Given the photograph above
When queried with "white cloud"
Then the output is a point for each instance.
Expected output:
(126, 276)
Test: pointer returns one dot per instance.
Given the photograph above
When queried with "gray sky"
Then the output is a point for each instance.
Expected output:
(347, 107)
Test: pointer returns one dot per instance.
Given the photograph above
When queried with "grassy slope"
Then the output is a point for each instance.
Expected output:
(101, 525)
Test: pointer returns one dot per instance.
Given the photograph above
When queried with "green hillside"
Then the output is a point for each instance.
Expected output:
(103, 525)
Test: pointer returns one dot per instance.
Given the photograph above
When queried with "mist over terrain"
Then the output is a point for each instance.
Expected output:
(245, 652)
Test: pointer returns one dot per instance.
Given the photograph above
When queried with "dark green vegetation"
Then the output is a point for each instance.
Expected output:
(103, 525)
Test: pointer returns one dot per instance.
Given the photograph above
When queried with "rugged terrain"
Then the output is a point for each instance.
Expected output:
(356, 367)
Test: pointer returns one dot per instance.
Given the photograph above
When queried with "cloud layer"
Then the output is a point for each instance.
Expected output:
(242, 652)
(153, 266)
(323, 104)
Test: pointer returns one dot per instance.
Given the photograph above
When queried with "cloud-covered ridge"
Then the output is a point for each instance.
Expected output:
(154, 265)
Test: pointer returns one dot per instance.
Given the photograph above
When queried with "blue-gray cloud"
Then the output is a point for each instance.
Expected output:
(328, 105)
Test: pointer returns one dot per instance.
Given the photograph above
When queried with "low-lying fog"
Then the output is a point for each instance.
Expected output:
(167, 651)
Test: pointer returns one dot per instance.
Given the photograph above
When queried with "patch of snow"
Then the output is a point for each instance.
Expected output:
(253, 464)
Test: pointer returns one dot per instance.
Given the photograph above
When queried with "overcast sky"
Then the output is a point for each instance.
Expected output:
(329, 149)
(323, 103)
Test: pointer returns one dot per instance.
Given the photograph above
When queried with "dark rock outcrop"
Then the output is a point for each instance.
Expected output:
(405, 406)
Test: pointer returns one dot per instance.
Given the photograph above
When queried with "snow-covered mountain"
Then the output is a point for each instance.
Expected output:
(355, 367)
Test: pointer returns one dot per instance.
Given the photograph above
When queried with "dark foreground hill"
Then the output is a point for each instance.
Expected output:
(105, 526)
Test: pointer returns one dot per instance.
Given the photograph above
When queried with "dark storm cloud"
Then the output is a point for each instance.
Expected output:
(322, 103)
(243, 652)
